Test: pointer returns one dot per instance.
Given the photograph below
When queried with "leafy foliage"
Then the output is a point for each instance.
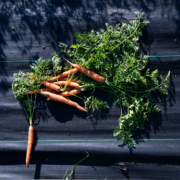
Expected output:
(114, 54)
(94, 104)
(30, 81)
(56, 60)
(41, 69)
(22, 84)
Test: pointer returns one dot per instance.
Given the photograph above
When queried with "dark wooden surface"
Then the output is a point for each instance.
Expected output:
(27, 26)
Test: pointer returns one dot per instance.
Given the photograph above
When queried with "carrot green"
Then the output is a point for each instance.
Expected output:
(22, 84)
(114, 54)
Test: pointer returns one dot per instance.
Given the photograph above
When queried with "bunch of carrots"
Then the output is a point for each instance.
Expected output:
(54, 91)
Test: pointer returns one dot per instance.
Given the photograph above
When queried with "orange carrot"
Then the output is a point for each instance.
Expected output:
(29, 145)
(89, 73)
(68, 88)
(71, 93)
(47, 77)
(67, 79)
(64, 74)
(55, 92)
(64, 83)
(63, 100)
(51, 85)
(39, 90)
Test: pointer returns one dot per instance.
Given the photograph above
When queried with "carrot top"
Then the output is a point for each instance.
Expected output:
(23, 83)
(114, 54)
(111, 61)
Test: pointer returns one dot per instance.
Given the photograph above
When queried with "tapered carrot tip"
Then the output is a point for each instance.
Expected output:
(89, 73)
(29, 145)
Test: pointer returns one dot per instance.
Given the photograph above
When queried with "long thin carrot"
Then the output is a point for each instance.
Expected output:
(51, 85)
(39, 90)
(64, 83)
(45, 78)
(71, 93)
(89, 73)
(30, 144)
(68, 79)
(64, 74)
(63, 100)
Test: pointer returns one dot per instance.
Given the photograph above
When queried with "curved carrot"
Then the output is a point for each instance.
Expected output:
(29, 145)
(71, 93)
(63, 100)
(64, 83)
(51, 85)
(89, 73)
(64, 74)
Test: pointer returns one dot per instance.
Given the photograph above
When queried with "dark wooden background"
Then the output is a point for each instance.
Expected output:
(28, 25)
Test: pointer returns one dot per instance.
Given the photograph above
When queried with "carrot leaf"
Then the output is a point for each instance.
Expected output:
(93, 104)
(56, 60)
(114, 53)
(24, 83)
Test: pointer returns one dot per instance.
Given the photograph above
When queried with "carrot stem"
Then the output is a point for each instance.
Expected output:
(29, 108)
(34, 107)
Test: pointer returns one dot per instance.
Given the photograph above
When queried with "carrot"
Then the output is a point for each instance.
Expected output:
(39, 90)
(67, 79)
(71, 93)
(29, 145)
(55, 92)
(64, 83)
(51, 85)
(64, 74)
(63, 100)
(47, 77)
(67, 89)
(89, 73)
